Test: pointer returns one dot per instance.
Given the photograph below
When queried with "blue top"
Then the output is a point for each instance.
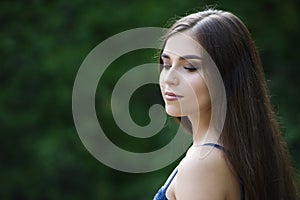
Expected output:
(161, 194)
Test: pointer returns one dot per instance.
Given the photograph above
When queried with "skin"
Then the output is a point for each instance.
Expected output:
(203, 173)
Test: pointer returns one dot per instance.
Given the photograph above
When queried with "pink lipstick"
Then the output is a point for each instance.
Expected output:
(170, 96)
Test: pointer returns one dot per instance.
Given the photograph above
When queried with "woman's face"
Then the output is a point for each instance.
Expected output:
(181, 79)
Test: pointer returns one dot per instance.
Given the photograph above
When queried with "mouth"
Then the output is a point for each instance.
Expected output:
(170, 96)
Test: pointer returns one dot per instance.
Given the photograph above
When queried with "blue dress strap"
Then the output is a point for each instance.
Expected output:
(171, 179)
(161, 194)
(214, 145)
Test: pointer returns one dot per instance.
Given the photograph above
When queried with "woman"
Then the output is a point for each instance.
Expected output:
(245, 157)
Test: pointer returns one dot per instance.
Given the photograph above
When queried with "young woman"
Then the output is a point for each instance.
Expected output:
(245, 157)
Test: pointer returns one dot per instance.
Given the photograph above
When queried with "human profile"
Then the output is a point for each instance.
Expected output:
(245, 158)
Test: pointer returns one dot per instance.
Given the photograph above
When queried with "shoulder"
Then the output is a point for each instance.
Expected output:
(204, 174)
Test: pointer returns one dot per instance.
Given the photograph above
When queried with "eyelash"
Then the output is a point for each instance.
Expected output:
(189, 68)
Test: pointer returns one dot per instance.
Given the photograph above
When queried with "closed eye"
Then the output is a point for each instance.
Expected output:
(190, 68)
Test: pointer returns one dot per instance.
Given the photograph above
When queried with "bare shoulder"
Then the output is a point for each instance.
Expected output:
(205, 174)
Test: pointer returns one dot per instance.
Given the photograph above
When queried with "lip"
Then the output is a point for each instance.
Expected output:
(170, 96)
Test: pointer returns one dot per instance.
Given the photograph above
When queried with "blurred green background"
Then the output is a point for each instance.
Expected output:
(43, 44)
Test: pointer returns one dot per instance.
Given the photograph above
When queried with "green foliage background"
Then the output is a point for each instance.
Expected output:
(43, 44)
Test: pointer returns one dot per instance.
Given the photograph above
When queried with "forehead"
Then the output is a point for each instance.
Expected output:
(181, 44)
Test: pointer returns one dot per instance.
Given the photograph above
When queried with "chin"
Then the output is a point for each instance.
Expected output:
(173, 112)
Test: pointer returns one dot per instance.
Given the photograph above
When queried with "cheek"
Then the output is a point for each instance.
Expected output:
(160, 78)
(203, 96)
(161, 82)
(161, 85)
(201, 92)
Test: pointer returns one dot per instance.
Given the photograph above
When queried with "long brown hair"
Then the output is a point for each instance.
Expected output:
(251, 135)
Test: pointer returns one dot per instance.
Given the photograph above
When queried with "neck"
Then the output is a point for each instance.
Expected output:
(202, 132)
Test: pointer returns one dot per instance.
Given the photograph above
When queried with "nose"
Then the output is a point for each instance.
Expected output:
(171, 77)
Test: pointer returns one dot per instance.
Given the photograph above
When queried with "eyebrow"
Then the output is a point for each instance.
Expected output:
(186, 57)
